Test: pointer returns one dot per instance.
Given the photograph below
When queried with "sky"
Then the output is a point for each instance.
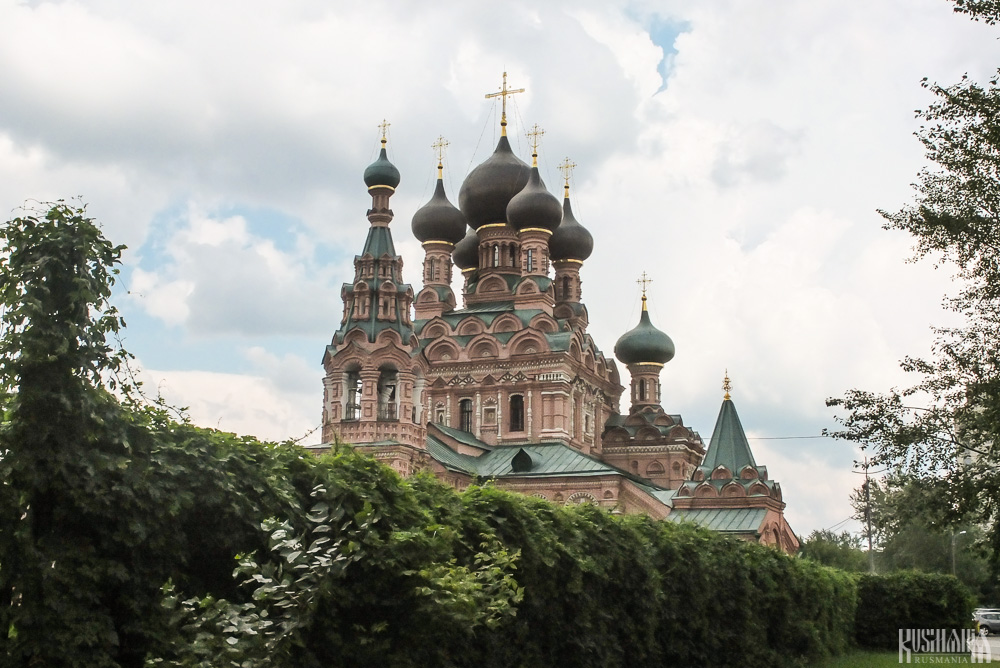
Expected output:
(737, 151)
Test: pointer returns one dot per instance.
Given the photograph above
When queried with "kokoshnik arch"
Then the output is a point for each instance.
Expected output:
(510, 387)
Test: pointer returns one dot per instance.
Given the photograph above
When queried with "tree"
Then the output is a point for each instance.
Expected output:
(914, 530)
(103, 499)
(841, 550)
(944, 429)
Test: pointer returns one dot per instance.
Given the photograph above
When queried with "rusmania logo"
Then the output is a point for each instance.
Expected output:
(943, 647)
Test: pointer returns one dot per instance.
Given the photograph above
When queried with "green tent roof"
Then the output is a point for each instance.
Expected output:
(729, 446)
(379, 242)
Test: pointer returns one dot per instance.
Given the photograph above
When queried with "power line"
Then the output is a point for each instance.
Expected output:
(784, 438)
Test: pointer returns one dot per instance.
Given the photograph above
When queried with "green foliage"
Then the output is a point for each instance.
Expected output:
(373, 579)
(986, 10)
(913, 531)
(100, 502)
(841, 550)
(908, 600)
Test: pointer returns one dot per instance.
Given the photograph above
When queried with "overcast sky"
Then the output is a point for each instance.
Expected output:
(736, 151)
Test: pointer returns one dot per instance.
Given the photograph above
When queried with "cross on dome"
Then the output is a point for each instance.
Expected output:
(567, 167)
(726, 386)
(384, 126)
(439, 146)
(533, 134)
(502, 94)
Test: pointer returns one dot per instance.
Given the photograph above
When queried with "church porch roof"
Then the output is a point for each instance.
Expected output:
(724, 520)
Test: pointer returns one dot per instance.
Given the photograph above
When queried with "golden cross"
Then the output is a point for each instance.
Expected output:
(440, 145)
(533, 134)
(502, 94)
(644, 280)
(726, 385)
(567, 167)
(384, 125)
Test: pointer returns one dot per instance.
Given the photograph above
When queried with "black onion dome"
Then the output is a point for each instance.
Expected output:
(466, 253)
(382, 172)
(571, 241)
(534, 206)
(489, 187)
(438, 220)
(644, 343)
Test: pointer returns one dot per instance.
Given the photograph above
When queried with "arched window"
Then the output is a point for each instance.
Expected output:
(465, 415)
(387, 399)
(513, 256)
(496, 255)
(642, 390)
(516, 412)
(565, 288)
(353, 409)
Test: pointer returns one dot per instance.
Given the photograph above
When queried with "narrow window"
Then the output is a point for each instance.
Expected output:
(496, 255)
(516, 412)
(353, 408)
(531, 260)
(565, 288)
(465, 415)
(642, 390)
(387, 395)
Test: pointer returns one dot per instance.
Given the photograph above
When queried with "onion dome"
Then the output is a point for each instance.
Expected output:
(644, 344)
(571, 241)
(534, 206)
(438, 220)
(382, 172)
(466, 253)
(489, 187)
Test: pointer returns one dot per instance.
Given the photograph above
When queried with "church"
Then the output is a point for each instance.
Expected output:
(510, 388)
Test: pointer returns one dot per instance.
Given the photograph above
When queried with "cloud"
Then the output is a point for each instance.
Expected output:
(278, 398)
(224, 142)
(221, 279)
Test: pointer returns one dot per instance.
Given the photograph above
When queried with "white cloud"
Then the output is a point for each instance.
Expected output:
(747, 185)
(221, 279)
(232, 402)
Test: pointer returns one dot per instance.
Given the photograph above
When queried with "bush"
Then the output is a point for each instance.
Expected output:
(908, 600)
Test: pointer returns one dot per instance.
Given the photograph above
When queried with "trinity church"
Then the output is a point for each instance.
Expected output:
(510, 388)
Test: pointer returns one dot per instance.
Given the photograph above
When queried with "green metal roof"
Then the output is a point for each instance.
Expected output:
(732, 520)
(379, 242)
(450, 459)
(462, 436)
(648, 415)
(547, 459)
(729, 446)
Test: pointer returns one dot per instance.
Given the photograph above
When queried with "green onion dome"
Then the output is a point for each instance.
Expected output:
(571, 241)
(534, 206)
(438, 220)
(489, 187)
(466, 253)
(645, 343)
(382, 172)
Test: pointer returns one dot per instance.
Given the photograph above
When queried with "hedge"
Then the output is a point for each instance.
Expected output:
(412, 573)
(908, 600)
